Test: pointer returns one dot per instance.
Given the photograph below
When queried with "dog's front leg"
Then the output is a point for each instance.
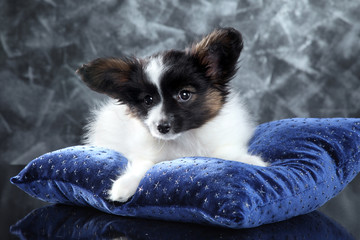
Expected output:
(125, 186)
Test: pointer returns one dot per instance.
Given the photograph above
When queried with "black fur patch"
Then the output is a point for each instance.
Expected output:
(123, 79)
(184, 71)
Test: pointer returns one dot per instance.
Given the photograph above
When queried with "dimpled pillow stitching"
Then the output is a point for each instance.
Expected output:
(312, 160)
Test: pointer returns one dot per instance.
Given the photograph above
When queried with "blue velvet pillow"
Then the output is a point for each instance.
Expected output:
(83, 223)
(312, 160)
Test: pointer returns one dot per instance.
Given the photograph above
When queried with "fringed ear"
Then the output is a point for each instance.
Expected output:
(218, 52)
(108, 75)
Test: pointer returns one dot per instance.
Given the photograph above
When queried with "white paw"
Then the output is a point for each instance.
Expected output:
(123, 189)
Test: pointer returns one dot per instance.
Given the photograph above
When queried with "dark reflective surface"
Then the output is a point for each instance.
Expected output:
(68, 222)
(14, 204)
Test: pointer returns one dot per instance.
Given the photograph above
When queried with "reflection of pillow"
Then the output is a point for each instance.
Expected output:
(312, 160)
(83, 223)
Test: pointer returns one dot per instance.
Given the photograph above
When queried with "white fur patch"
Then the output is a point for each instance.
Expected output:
(154, 70)
(155, 115)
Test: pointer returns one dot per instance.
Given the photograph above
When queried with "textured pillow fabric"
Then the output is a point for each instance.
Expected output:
(83, 223)
(312, 160)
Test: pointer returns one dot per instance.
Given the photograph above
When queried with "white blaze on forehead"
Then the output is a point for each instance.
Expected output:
(154, 69)
(156, 114)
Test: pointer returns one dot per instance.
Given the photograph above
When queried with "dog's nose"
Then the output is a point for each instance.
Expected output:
(164, 127)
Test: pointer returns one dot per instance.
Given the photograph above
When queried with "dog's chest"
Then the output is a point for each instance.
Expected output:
(185, 146)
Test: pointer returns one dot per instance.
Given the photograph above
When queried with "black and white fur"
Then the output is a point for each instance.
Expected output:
(170, 105)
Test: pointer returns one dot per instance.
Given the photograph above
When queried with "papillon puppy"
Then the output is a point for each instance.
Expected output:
(170, 105)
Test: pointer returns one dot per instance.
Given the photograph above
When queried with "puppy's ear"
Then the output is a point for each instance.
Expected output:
(218, 52)
(108, 75)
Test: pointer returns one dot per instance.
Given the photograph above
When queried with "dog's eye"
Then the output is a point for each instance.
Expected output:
(184, 96)
(148, 100)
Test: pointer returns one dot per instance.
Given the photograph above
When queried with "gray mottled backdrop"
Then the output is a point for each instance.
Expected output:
(301, 59)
